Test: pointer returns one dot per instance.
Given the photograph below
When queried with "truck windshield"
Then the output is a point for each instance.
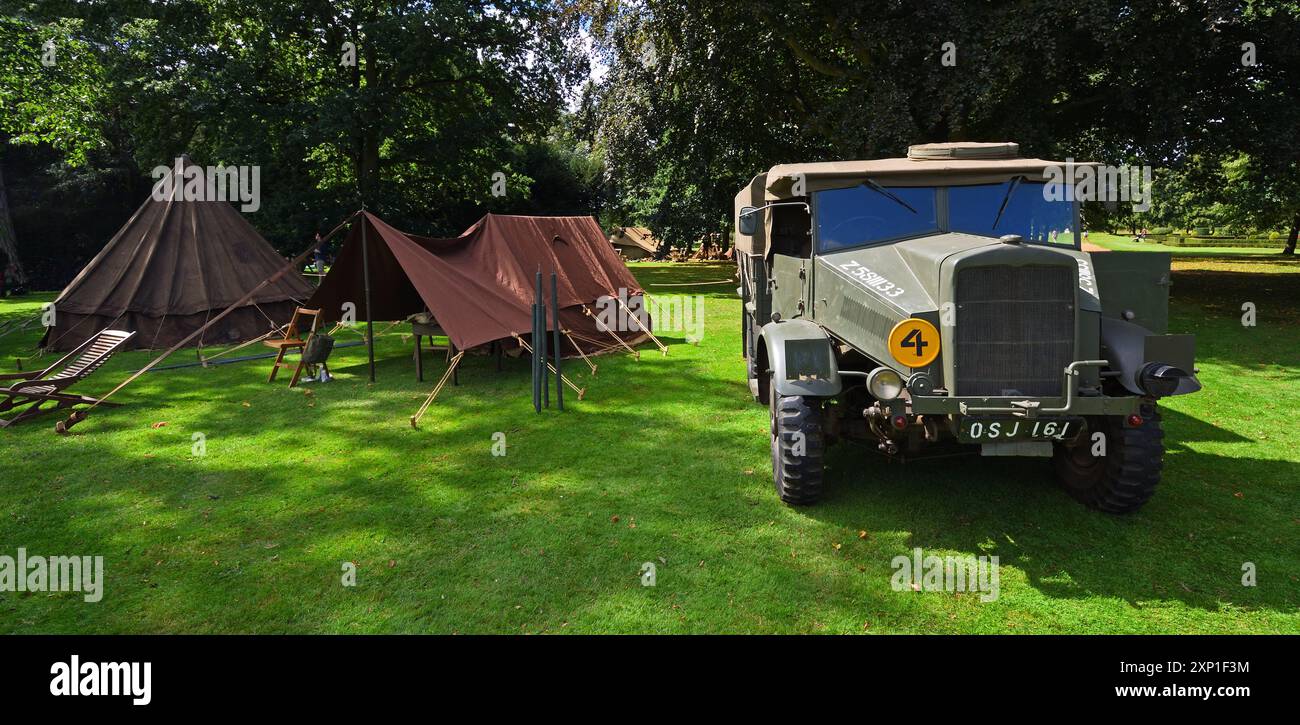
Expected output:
(861, 215)
(1027, 212)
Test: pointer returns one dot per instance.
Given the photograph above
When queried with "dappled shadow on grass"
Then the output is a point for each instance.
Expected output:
(1188, 544)
(351, 469)
(351, 476)
(664, 461)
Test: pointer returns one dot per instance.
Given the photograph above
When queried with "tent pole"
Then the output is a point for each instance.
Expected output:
(365, 273)
(563, 378)
(555, 318)
(539, 342)
(532, 359)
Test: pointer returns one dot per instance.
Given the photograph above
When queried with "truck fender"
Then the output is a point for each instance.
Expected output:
(798, 355)
(1130, 348)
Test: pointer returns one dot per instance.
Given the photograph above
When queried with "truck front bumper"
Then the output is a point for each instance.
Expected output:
(1070, 403)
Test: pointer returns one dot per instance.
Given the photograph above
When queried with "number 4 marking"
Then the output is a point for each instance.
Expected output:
(915, 341)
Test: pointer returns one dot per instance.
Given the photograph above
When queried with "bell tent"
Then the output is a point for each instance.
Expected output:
(173, 266)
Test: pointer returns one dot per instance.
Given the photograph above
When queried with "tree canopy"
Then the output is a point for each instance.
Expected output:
(704, 94)
(651, 112)
(410, 108)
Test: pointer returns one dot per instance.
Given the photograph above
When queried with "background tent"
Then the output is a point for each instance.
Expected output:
(634, 242)
(480, 285)
(174, 265)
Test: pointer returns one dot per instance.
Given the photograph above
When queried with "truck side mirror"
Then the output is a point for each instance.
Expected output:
(748, 220)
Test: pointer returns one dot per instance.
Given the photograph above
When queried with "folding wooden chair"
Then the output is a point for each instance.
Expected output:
(294, 341)
(46, 386)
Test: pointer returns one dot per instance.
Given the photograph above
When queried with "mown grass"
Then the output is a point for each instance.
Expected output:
(1126, 243)
(665, 461)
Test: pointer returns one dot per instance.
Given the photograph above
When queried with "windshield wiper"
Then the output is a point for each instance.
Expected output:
(1010, 190)
(882, 190)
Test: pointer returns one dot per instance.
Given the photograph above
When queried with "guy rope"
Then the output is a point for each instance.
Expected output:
(632, 316)
(274, 331)
(451, 367)
(524, 344)
(635, 353)
(578, 347)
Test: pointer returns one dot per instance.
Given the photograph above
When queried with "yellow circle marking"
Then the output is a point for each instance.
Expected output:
(914, 342)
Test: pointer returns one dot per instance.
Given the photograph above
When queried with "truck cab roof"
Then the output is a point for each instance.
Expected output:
(933, 164)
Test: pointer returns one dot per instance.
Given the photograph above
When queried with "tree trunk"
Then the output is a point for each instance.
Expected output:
(9, 244)
(369, 151)
(1290, 240)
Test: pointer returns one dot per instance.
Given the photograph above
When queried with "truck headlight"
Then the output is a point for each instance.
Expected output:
(884, 384)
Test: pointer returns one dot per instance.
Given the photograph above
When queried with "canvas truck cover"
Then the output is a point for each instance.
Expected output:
(924, 165)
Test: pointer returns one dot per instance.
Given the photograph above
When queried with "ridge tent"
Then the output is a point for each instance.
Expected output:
(174, 265)
(480, 286)
(634, 242)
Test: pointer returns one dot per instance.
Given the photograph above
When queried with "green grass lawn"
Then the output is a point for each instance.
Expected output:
(665, 461)
(1125, 243)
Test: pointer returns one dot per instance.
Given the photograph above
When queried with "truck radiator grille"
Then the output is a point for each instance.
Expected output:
(1015, 329)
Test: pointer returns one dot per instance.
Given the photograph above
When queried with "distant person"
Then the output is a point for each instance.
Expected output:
(320, 256)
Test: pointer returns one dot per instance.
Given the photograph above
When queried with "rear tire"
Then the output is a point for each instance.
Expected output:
(1126, 477)
(797, 474)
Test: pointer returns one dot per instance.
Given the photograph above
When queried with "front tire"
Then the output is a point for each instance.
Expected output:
(1126, 477)
(798, 447)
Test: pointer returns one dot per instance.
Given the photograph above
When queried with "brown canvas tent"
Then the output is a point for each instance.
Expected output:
(634, 242)
(173, 266)
(480, 286)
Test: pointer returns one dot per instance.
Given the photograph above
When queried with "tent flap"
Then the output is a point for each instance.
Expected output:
(480, 285)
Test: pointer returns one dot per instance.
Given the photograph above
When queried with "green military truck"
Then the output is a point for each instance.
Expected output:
(944, 299)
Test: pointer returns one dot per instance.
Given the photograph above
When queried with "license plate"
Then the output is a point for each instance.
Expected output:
(987, 430)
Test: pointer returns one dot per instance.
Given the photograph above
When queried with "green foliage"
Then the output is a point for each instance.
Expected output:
(1240, 194)
(442, 96)
(696, 98)
(700, 96)
(52, 86)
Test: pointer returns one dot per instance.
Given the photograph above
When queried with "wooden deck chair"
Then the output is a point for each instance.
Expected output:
(37, 388)
(293, 340)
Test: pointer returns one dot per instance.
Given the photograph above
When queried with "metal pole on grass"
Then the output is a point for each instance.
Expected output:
(555, 320)
(537, 390)
(539, 343)
(365, 274)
